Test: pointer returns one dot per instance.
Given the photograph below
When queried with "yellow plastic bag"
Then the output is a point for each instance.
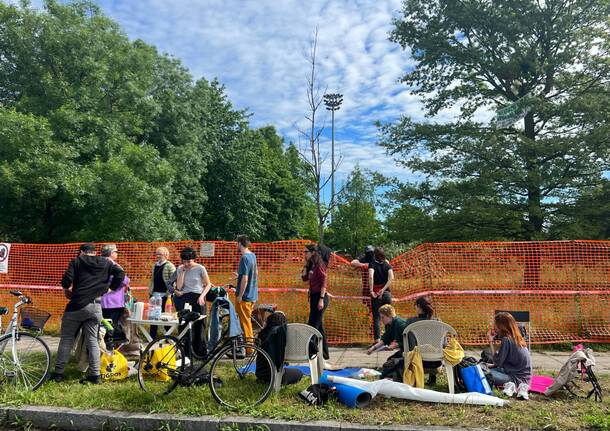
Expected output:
(159, 362)
(114, 366)
(453, 352)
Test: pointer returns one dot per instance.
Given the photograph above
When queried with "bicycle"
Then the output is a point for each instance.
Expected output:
(25, 359)
(163, 366)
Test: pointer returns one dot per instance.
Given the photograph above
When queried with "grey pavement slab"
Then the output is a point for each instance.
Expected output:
(342, 357)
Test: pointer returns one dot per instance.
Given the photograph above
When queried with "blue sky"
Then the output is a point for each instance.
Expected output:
(257, 49)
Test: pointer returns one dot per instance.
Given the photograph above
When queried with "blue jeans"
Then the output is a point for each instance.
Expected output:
(500, 377)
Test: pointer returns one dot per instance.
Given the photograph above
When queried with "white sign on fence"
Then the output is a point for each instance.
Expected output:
(207, 249)
(5, 250)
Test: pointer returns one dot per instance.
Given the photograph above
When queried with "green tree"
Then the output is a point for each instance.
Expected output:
(587, 218)
(76, 97)
(355, 223)
(479, 55)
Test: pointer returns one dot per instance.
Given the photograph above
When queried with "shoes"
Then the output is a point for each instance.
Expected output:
(56, 377)
(509, 389)
(90, 380)
(522, 391)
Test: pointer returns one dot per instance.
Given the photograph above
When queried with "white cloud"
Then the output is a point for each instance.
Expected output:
(257, 49)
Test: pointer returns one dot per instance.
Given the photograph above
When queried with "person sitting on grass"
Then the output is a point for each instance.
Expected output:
(512, 366)
(392, 337)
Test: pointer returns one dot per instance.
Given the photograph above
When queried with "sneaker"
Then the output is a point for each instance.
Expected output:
(90, 380)
(522, 392)
(56, 377)
(509, 389)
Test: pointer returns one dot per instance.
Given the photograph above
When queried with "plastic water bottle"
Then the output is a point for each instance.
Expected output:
(154, 307)
(169, 306)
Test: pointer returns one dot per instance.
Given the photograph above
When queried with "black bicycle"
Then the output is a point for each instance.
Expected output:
(164, 365)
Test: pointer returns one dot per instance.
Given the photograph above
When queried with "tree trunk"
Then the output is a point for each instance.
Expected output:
(535, 218)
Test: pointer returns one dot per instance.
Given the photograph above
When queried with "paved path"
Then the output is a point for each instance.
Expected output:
(541, 360)
(356, 357)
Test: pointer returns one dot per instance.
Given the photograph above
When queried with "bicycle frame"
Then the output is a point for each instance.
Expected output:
(186, 332)
(13, 328)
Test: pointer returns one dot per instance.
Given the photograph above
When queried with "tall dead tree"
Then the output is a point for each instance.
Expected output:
(309, 148)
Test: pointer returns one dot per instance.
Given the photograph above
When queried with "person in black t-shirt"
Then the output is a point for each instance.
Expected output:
(380, 276)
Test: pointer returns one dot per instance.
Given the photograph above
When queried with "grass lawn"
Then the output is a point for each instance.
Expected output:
(561, 413)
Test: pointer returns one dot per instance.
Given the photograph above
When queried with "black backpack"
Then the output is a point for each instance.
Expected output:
(318, 394)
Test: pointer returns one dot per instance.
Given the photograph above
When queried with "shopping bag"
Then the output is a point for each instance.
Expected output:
(114, 366)
(475, 380)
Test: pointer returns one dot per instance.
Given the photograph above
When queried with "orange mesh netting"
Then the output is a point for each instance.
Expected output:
(564, 284)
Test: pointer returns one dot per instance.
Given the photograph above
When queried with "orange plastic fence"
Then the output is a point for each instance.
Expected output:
(564, 284)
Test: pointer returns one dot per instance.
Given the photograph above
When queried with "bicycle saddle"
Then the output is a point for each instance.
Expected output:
(188, 316)
(16, 293)
(3, 311)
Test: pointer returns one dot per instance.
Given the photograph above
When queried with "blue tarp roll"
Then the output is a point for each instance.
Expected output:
(349, 395)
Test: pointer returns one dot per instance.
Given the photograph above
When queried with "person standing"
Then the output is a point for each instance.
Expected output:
(113, 301)
(314, 272)
(162, 271)
(246, 292)
(381, 276)
(84, 282)
(363, 263)
(192, 284)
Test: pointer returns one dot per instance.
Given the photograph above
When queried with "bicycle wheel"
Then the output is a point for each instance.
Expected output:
(25, 361)
(233, 383)
(161, 365)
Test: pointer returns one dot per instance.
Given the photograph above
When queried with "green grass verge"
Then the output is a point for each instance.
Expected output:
(561, 413)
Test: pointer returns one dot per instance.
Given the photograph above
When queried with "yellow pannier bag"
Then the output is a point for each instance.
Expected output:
(158, 362)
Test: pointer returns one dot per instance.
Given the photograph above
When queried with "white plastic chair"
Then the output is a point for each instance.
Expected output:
(431, 337)
(297, 350)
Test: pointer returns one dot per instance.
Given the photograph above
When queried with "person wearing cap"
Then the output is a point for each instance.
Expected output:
(113, 302)
(84, 282)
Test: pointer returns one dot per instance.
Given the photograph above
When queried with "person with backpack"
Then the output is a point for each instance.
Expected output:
(511, 366)
(381, 276)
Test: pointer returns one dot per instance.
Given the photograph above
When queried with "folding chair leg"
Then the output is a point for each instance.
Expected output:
(277, 384)
(450, 379)
(314, 370)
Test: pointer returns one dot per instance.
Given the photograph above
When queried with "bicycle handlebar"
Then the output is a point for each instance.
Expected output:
(24, 299)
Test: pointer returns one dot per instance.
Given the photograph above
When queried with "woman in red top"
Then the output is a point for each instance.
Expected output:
(314, 271)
